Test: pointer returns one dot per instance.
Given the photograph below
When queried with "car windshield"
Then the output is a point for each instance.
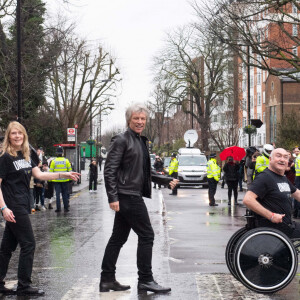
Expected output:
(189, 160)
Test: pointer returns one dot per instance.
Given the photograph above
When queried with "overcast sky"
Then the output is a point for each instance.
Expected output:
(133, 31)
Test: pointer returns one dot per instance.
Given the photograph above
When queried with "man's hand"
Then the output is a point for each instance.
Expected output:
(173, 183)
(8, 215)
(277, 218)
(114, 206)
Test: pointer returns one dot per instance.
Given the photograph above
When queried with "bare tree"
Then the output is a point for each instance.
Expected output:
(268, 27)
(159, 106)
(194, 65)
(82, 82)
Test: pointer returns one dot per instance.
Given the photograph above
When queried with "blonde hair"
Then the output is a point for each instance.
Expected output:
(7, 147)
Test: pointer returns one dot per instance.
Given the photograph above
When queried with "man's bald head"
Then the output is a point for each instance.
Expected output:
(279, 159)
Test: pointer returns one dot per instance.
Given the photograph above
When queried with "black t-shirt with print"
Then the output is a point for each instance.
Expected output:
(16, 173)
(274, 193)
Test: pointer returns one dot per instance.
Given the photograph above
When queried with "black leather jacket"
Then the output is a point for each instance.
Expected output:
(123, 171)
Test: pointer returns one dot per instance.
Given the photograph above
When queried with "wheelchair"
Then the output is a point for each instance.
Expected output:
(263, 259)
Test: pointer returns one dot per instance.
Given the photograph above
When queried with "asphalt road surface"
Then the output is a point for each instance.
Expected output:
(188, 254)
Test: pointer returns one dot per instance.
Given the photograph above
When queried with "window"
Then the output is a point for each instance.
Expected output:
(295, 30)
(264, 97)
(258, 98)
(244, 122)
(258, 78)
(251, 81)
(259, 139)
(294, 8)
(264, 117)
(259, 116)
(251, 102)
(244, 104)
(244, 85)
(222, 119)
(295, 51)
(272, 86)
(215, 118)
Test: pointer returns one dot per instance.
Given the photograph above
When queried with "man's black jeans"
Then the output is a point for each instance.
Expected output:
(18, 233)
(133, 215)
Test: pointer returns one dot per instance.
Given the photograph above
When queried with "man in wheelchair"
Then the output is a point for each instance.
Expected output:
(269, 196)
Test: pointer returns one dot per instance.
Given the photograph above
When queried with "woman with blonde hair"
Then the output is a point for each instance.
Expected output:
(16, 169)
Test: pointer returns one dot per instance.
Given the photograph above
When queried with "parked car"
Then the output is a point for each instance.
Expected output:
(192, 167)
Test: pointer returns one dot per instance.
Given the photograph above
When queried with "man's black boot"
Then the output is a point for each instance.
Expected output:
(6, 291)
(151, 286)
(30, 291)
(113, 285)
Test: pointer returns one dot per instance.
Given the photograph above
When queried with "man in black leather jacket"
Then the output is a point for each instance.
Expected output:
(127, 175)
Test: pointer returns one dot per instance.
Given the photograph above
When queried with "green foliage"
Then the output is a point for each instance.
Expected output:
(288, 132)
(34, 64)
(250, 129)
(44, 130)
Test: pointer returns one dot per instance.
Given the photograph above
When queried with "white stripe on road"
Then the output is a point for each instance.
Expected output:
(223, 287)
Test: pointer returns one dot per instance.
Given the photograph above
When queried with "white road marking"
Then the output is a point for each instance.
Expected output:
(223, 287)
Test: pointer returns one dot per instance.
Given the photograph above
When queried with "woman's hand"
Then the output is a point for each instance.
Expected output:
(71, 175)
(8, 215)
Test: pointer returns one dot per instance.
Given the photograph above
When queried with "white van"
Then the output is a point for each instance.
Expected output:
(192, 167)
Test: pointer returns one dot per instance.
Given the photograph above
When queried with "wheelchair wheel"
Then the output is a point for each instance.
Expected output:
(265, 260)
(230, 248)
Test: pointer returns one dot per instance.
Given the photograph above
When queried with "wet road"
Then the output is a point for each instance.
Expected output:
(190, 241)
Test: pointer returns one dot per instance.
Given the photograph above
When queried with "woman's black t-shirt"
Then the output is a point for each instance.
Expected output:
(274, 192)
(16, 173)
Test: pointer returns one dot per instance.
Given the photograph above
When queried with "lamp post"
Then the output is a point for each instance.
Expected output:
(91, 112)
(19, 63)
(91, 115)
(248, 92)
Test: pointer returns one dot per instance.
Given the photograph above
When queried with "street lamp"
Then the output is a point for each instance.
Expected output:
(19, 62)
(248, 92)
(91, 112)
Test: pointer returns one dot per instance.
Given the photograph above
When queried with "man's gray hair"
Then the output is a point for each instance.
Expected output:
(136, 108)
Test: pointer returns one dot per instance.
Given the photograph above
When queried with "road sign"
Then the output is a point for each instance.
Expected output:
(76, 126)
(71, 134)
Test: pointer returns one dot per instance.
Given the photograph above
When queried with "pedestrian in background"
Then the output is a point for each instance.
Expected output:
(48, 194)
(231, 171)
(32, 195)
(39, 188)
(93, 176)
(251, 155)
(100, 162)
(127, 175)
(173, 171)
(241, 174)
(61, 164)
(297, 183)
(15, 173)
(213, 177)
(159, 167)
(262, 161)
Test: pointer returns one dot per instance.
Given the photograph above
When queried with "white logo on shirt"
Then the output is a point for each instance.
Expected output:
(22, 164)
(284, 187)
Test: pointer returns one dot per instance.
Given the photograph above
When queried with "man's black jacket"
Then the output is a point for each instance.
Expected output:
(123, 171)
